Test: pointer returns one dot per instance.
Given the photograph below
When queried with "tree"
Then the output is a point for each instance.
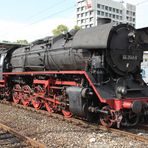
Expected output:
(60, 29)
(22, 41)
(77, 27)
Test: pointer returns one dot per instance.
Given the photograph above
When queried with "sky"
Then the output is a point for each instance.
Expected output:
(33, 19)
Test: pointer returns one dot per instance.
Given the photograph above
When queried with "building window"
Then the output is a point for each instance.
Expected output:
(110, 9)
(120, 11)
(82, 8)
(90, 12)
(82, 21)
(82, 14)
(91, 19)
(133, 13)
(113, 16)
(113, 9)
(133, 19)
(127, 12)
(117, 10)
(110, 15)
(78, 22)
(79, 3)
(106, 7)
(78, 15)
(102, 6)
(102, 13)
(78, 9)
(117, 16)
(106, 14)
(98, 12)
(98, 5)
(120, 17)
(86, 13)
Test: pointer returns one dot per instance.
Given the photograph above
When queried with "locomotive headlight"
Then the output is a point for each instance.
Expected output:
(121, 90)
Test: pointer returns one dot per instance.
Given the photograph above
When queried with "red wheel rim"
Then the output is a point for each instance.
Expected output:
(26, 95)
(66, 114)
(107, 120)
(25, 100)
(17, 95)
(37, 104)
(48, 107)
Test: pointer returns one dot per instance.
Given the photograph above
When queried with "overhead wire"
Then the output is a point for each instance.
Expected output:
(46, 9)
(40, 12)
(51, 15)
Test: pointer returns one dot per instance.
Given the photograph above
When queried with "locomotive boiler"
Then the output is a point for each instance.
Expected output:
(92, 73)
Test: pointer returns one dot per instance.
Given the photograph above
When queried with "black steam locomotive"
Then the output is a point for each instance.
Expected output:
(92, 73)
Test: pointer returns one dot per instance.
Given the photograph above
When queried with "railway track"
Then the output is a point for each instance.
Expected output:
(144, 127)
(93, 127)
(9, 138)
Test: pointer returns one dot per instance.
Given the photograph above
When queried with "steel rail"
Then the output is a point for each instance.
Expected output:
(82, 123)
(142, 126)
(27, 140)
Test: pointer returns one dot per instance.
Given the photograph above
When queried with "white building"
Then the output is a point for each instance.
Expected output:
(88, 11)
(144, 67)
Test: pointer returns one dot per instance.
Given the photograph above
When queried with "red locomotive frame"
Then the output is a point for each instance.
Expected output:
(41, 97)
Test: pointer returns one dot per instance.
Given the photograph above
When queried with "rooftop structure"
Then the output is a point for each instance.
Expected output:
(88, 12)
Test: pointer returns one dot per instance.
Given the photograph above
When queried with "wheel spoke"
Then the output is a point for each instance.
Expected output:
(48, 107)
(37, 104)
(17, 94)
(107, 120)
(26, 95)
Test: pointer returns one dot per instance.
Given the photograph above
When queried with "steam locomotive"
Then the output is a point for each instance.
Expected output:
(92, 73)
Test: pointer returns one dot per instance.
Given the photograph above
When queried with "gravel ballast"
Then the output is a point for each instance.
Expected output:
(57, 133)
